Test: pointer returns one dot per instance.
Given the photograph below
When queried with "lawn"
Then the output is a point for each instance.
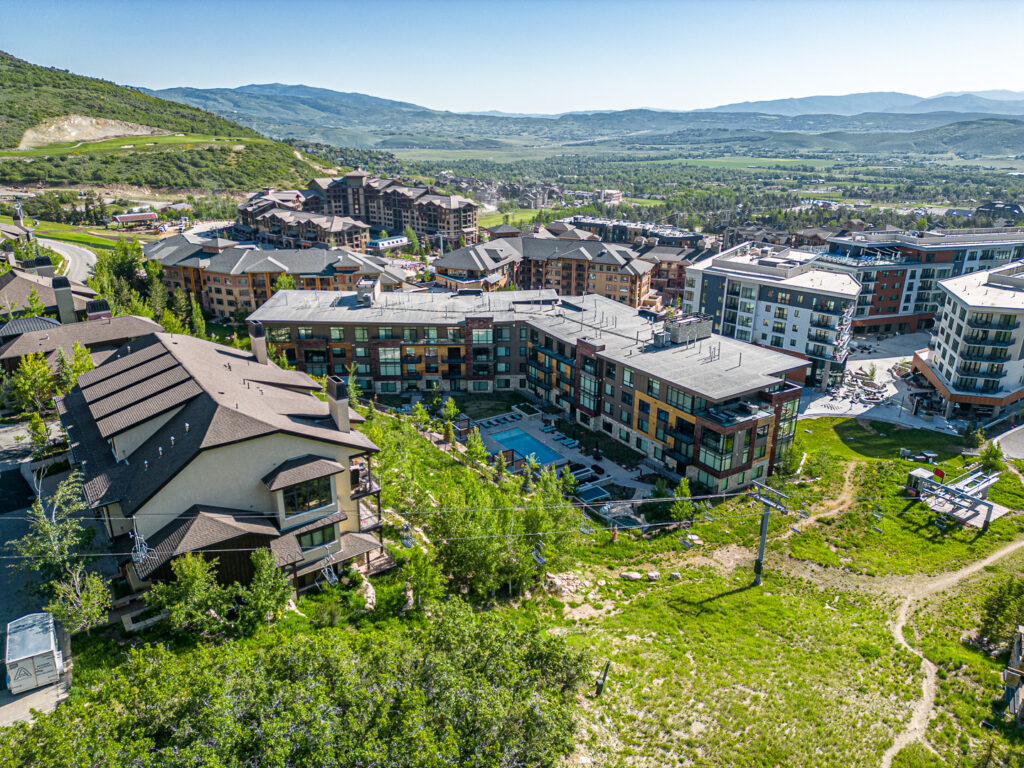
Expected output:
(517, 217)
(848, 439)
(484, 405)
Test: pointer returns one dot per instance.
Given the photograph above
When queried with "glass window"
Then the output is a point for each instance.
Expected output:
(361, 334)
(278, 335)
(384, 332)
(306, 496)
(305, 332)
(410, 334)
(627, 377)
(337, 334)
(317, 538)
(483, 336)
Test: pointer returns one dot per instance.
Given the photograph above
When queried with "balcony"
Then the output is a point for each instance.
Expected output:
(991, 325)
(369, 518)
(982, 357)
(540, 366)
(978, 340)
(534, 381)
(969, 369)
(731, 415)
(412, 358)
(363, 482)
(556, 355)
(824, 322)
(453, 359)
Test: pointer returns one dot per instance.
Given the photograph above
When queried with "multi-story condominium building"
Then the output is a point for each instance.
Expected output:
(570, 267)
(390, 205)
(900, 270)
(226, 278)
(719, 410)
(778, 297)
(621, 231)
(977, 363)
(285, 228)
(190, 446)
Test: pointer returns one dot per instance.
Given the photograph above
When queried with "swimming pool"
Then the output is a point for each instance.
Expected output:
(525, 444)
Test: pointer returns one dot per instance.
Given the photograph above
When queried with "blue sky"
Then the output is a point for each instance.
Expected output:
(533, 56)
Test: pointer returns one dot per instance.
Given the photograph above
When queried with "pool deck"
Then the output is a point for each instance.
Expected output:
(531, 425)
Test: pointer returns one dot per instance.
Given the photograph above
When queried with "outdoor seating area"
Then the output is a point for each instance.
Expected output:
(497, 421)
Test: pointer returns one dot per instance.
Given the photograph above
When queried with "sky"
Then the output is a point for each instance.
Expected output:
(533, 56)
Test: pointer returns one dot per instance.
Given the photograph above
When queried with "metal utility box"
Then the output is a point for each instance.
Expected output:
(32, 657)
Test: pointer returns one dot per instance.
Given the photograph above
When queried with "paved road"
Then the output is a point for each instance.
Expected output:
(79, 260)
(1012, 443)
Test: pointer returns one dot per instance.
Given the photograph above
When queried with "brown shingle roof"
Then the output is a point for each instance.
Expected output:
(200, 527)
(225, 397)
(95, 333)
(16, 285)
(300, 470)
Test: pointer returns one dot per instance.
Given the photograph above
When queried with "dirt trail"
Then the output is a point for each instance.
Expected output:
(842, 503)
(921, 712)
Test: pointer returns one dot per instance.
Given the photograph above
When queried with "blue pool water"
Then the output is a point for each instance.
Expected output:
(525, 444)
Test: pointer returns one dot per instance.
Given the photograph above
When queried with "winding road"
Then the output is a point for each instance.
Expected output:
(79, 260)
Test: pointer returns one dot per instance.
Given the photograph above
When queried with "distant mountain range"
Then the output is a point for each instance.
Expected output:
(360, 120)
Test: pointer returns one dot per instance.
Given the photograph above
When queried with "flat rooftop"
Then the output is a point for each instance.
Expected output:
(780, 265)
(996, 289)
(953, 238)
(716, 368)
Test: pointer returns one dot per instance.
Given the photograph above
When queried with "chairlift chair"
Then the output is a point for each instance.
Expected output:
(876, 529)
(795, 530)
(406, 536)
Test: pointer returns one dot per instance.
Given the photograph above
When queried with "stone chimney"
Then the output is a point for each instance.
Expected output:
(258, 341)
(65, 302)
(337, 403)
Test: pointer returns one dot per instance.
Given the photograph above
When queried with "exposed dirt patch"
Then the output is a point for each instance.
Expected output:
(81, 128)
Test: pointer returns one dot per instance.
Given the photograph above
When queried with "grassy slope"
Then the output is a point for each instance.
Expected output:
(30, 94)
(213, 153)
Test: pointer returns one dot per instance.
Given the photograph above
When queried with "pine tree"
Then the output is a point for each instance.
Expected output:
(179, 303)
(62, 372)
(449, 433)
(475, 450)
(284, 282)
(682, 507)
(197, 319)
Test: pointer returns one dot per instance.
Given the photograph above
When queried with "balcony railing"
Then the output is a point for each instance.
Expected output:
(982, 342)
(982, 357)
(992, 325)
(363, 482)
(369, 518)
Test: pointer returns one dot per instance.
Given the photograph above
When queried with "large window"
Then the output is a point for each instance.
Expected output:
(306, 496)
(483, 336)
(279, 335)
(390, 361)
(317, 538)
